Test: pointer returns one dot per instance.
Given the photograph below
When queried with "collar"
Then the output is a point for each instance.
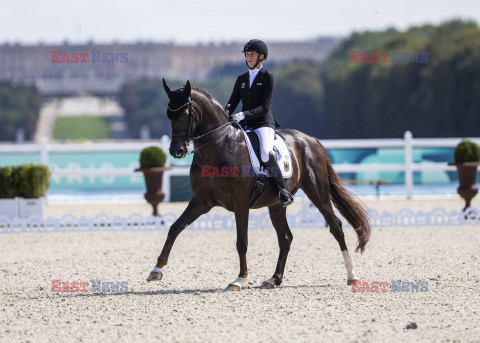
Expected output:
(254, 71)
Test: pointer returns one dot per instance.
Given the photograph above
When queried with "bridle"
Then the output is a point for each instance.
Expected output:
(191, 113)
(189, 133)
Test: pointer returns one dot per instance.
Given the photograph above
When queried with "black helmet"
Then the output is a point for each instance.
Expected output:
(256, 45)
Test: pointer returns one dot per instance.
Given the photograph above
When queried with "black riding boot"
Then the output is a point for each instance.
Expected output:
(279, 182)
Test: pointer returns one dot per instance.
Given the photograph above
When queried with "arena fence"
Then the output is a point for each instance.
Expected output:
(307, 217)
(408, 143)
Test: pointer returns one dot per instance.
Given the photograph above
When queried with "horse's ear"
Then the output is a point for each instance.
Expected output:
(188, 89)
(167, 89)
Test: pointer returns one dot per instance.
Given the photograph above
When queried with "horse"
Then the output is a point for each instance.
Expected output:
(196, 116)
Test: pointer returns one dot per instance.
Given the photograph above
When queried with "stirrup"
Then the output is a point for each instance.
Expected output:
(286, 198)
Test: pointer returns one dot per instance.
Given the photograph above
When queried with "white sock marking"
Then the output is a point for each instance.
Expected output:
(238, 282)
(157, 270)
(349, 265)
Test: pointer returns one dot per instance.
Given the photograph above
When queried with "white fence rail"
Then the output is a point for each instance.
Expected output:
(408, 143)
(308, 217)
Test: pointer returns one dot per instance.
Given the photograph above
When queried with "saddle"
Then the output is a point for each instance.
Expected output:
(259, 169)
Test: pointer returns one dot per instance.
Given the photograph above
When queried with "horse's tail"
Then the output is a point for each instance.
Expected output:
(350, 208)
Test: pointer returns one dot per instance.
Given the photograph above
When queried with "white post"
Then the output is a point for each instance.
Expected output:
(165, 143)
(408, 137)
(44, 151)
(166, 185)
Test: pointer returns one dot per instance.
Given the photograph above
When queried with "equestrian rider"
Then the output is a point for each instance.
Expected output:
(255, 88)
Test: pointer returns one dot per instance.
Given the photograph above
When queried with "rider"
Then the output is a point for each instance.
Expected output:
(255, 88)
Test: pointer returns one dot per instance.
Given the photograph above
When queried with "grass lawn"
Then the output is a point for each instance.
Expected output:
(81, 127)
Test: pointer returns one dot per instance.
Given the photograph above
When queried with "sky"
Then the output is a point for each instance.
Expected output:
(205, 21)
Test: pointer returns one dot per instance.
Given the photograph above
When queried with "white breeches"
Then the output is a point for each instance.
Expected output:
(267, 136)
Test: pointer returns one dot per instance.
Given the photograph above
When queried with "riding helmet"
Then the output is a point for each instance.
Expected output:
(256, 45)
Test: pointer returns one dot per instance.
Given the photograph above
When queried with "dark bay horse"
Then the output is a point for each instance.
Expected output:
(195, 115)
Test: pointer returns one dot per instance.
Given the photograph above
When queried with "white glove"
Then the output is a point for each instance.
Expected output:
(238, 116)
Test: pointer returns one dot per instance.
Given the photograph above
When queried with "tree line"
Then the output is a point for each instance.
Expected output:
(19, 108)
(439, 98)
(435, 94)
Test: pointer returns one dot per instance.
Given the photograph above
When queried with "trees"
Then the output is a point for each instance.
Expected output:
(299, 99)
(19, 108)
(340, 99)
(438, 98)
(145, 103)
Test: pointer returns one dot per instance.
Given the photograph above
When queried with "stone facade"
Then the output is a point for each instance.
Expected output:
(103, 68)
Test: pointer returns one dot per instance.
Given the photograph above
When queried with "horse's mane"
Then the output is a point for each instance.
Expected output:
(204, 92)
(212, 100)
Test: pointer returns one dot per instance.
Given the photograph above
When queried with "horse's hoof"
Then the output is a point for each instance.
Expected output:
(232, 287)
(155, 276)
(354, 282)
(268, 284)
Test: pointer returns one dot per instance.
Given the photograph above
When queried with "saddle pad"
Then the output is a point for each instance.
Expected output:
(282, 155)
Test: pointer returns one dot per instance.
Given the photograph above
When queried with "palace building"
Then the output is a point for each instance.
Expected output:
(103, 68)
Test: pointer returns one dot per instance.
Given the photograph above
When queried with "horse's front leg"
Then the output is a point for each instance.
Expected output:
(194, 210)
(241, 219)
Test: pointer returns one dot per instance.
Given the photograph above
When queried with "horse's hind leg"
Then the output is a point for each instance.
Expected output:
(278, 215)
(319, 193)
(339, 236)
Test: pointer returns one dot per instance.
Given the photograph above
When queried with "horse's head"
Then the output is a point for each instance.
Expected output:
(183, 118)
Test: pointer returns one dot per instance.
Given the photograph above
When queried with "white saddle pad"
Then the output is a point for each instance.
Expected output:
(283, 157)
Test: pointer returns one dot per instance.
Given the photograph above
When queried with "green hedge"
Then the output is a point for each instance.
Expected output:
(466, 151)
(152, 157)
(26, 181)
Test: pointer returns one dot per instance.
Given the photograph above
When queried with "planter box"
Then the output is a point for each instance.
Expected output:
(467, 178)
(29, 207)
(153, 183)
(22, 208)
(9, 207)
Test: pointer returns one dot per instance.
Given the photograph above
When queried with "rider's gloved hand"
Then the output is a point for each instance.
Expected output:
(238, 116)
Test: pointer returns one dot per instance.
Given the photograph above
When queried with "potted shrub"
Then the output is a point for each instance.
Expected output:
(8, 201)
(467, 159)
(152, 164)
(23, 189)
